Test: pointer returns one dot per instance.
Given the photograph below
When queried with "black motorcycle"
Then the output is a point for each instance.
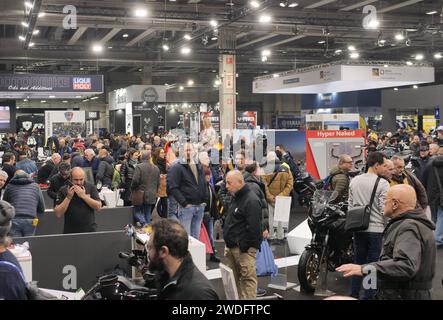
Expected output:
(305, 187)
(330, 243)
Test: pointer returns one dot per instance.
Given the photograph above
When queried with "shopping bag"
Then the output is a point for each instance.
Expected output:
(204, 238)
(265, 263)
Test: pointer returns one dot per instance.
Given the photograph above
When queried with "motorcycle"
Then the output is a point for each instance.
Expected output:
(116, 287)
(305, 187)
(330, 243)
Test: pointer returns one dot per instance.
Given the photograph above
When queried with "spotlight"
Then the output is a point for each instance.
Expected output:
(21, 38)
(36, 31)
(399, 37)
(25, 24)
(431, 12)
(283, 4)
(41, 14)
(125, 35)
(266, 53)
(185, 50)
(165, 47)
(254, 4)
(97, 48)
(386, 65)
(187, 37)
(275, 75)
(419, 57)
(213, 23)
(31, 44)
(415, 86)
(181, 88)
(354, 55)
(190, 82)
(438, 55)
(140, 12)
(321, 42)
(293, 4)
(409, 63)
(338, 51)
(351, 48)
(264, 18)
(264, 58)
(395, 89)
(28, 4)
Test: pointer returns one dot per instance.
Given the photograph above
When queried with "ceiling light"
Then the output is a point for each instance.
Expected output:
(214, 38)
(338, 51)
(431, 12)
(419, 57)
(31, 44)
(65, 101)
(25, 24)
(373, 24)
(264, 58)
(412, 29)
(97, 48)
(386, 66)
(254, 4)
(354, 55)
(399, 37)
(187, 37)
(51, 97)
(125, 35)
(185, 50)
(382, 41)
(25, 100)
(415, 86)
(28, 4)
(236, 75)
(264, 18)
(275, 75)
(140, 12)
(140, 70)
(165, 47)
(266, 53)
(41, 14)
(109, 47)
(293, 4)
(409, 63)
(22, 38)
(321, 42)
(283, 4)
(181, 88)
(213, 23)
(351, 48)
(36, 31)
(43, 101)
(217, 82)
(81, 69)
(78, 97)
(190, 82)
(395, 89)
(438, 55)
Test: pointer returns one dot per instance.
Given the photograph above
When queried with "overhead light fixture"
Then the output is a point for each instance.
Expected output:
(321, 42)
(382, 41)
(292, 4)
(399, 37)
(125, 35)
(97, 48)
(109, 47)
(431, 12)
(395, 89)
(190, 82)
(140, 12)
(275, 75)
(140, 70)
(25, 100)
(65, 101)
(419, 57)
(338, 51)
(43, 101)
(409, 63)
(351, 48)
(438, 55)
(214, 38)
(185, 50)
(236, 75)
(36, 31)
(255, 4)
(31, 44)
(213, 23)
(94, 98)
(181, 88)
(266, 53)
(41, 14)
(78, 97)
(374, 24)
(187, 37)
(415, 86)
(385, 65)
(165, 47)
(354, 55)
(51, 97)
(28, 4)
(217, 82)
(283, 4)
(25, 24)
(264, 58)
(81, 69)
(265, 18)
(21, 38)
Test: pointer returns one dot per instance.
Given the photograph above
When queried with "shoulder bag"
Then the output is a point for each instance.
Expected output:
(357, 218)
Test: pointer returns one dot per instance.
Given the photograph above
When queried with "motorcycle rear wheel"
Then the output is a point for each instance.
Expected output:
(308, 270)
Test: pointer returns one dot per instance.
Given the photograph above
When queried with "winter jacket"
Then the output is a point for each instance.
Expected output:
(26, 197)
(10, 170)
(105, 171)
(243, 224)
(407, 262)
(161, 164)
(45, 171)
(419, 167)
(258, 187)
(224, 197)
(183, 186)
(281, 185)
(431, 183)
(147, 178)
(287, 157)
(410, 179)
(27, 165)
(55, 184)
(61, 151)
(188, 283)
(126, 174)
(339, 183)
(93, 164)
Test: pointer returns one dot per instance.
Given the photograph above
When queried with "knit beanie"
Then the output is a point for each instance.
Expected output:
(7, 213)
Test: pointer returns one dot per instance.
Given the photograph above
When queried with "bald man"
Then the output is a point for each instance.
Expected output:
(242, 234)
(407, 262)
(78, 202)
(48, 169)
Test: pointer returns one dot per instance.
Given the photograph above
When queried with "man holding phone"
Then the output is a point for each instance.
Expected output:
(78, 201)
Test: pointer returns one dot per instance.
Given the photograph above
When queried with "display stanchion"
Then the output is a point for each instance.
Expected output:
(281, 218)
(322, 282)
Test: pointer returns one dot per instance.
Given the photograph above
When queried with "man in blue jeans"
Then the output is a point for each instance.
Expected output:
(368, 243)
(187, 184)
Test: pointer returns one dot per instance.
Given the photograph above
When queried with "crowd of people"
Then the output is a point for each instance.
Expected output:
(183, 183)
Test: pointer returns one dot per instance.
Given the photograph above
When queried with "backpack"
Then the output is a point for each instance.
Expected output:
(116, 179)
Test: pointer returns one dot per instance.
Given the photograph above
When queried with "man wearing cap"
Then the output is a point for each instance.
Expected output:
(12, 286)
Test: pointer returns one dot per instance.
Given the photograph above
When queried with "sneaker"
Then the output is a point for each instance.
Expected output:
(260, 292)
(214, 258)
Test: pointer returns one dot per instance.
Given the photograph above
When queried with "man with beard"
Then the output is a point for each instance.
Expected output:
(178, 277)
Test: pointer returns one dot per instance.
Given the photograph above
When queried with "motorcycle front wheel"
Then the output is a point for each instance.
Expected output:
(309, 270)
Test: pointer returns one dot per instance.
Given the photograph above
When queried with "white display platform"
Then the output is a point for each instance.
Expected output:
(299, 238)
(24, 257)
(65, 295)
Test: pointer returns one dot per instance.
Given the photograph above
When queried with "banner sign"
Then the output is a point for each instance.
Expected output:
(214, 117)
(51, 83)
(288, 122)
(246, 120)
(64, 123)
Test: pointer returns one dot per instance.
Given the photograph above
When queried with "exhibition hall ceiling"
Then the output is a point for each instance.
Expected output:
(173, 39)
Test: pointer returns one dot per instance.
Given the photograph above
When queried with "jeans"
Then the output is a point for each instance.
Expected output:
(439, 228)
(191, 219)
(367, 249)
(209, 225)
(22, 228)
(172, 209)
(142, 214)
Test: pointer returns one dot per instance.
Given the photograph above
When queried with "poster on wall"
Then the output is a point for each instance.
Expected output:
(65, 123)
(324, 147)
(29, 123)
(246, 120)
(5, 116)
(429, 123)
(288, 122)
(214, 118)
(152, 117)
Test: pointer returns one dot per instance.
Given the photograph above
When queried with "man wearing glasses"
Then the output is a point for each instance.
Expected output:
(339, 179)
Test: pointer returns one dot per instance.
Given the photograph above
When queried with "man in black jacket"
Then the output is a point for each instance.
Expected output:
(243, 234)
(60, 180)
(105, 170)
(47, 170)
(187, 184)
(177, 276)
(407, 262)
(8, 165)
